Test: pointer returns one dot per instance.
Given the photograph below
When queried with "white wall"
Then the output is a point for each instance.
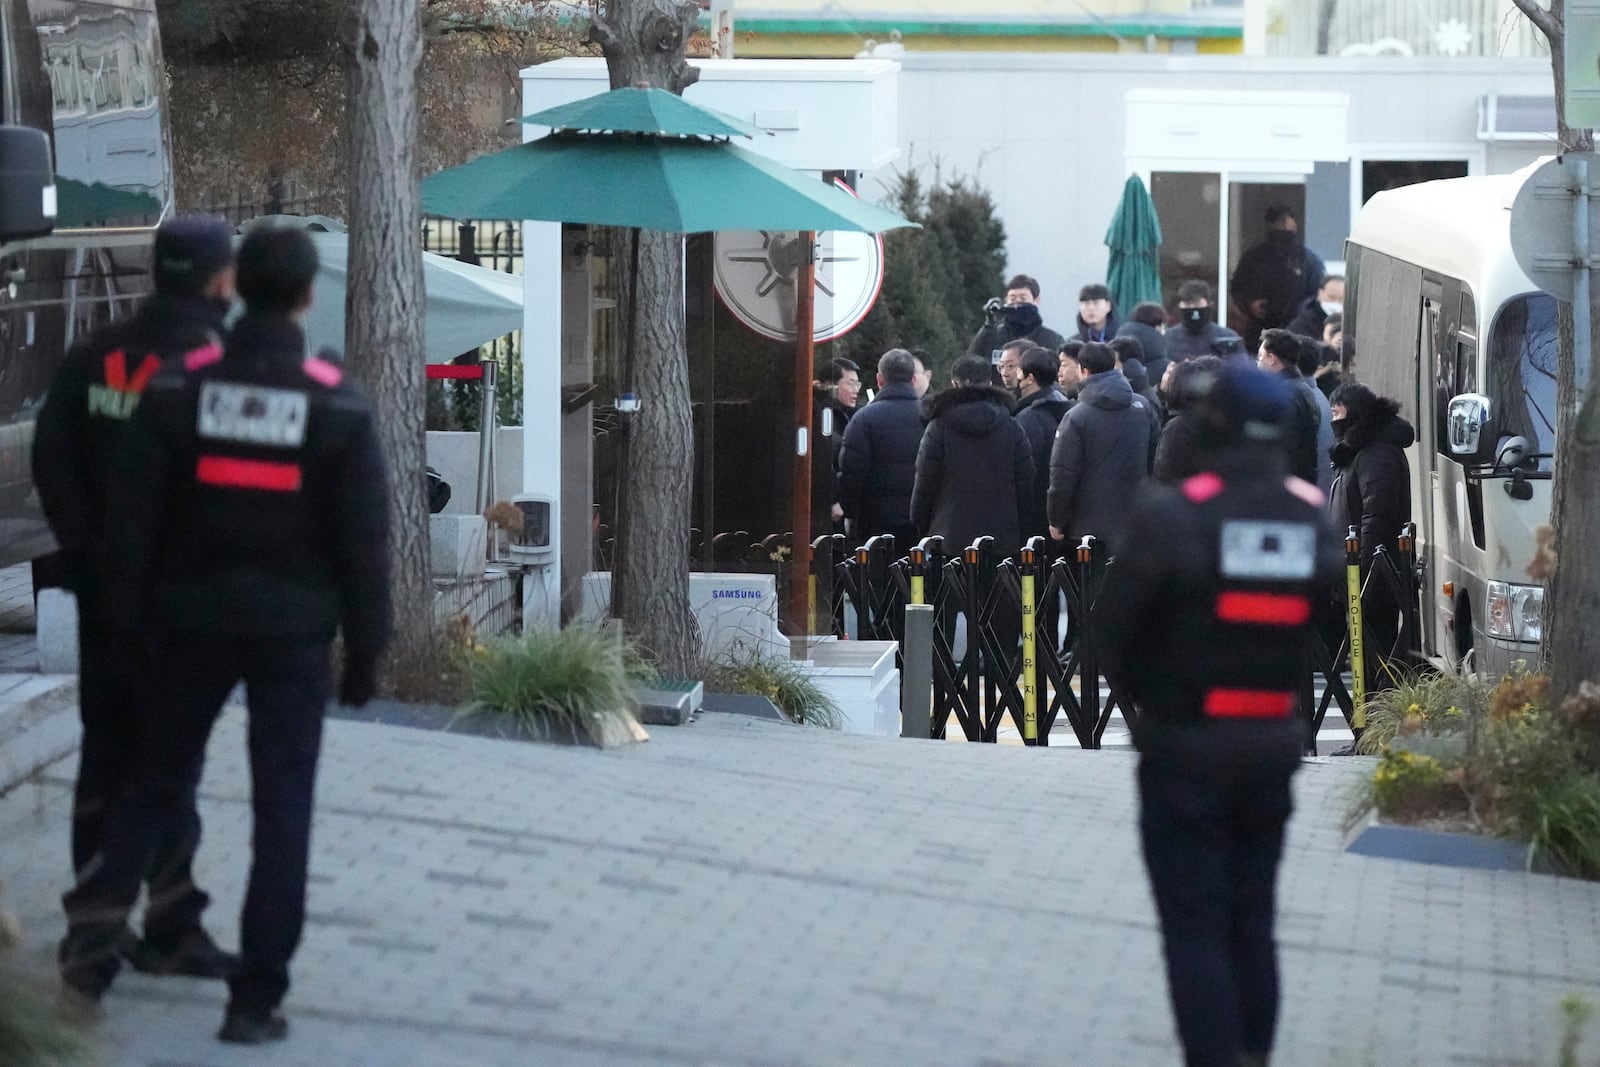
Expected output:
(1045, 134)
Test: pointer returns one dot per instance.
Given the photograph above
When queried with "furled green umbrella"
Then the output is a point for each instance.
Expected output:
(1134, 272)
(646, 159)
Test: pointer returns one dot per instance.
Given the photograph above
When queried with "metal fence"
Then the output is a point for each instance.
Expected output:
(1029, 651)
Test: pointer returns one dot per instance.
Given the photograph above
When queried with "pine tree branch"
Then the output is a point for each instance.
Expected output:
(1542, 18)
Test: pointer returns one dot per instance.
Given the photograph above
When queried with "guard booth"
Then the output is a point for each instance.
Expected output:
(830, 117)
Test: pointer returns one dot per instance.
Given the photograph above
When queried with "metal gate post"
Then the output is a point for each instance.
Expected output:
(916, 678)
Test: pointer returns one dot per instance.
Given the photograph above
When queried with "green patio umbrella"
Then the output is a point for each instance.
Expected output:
(648, 182)
(1134, 272)
(646, 159)
(642, 110)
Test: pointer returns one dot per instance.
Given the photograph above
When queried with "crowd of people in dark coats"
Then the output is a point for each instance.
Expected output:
(1040, 434)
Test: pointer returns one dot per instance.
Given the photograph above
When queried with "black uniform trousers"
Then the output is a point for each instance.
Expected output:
(111, 674)
(287, 685)
(1213, 834)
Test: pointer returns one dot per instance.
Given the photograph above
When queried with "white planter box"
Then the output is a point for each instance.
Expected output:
(862, 679)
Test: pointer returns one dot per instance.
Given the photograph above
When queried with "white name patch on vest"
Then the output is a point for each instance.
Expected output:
(1269, 551)
(252, 414)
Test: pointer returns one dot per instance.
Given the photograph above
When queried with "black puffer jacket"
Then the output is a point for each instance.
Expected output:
(1154, 343)
(1213, 340)
(974, 469)
(1103, 452)
(1372, 477)
(1181, 452)
(878, 461)
(1040, 416)
(83, 425)
(1019, 322)
(1088, 333)
(1301, 425)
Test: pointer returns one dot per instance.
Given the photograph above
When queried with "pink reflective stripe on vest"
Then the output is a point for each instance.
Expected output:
(322, 372)
(1202, 487)
(200, 358)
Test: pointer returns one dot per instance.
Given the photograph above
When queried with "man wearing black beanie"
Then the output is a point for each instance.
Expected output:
(80, 431)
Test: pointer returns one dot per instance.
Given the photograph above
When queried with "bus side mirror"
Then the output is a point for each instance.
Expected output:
(1513, 453)
(27, 184)
(1467, 425)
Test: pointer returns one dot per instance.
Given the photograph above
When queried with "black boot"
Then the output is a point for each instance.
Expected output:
(250, 1026)
(194, 955)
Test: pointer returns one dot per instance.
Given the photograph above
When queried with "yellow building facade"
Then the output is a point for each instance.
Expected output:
(842, 28)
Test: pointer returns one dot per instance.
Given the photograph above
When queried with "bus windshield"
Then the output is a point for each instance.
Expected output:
(1522, 371)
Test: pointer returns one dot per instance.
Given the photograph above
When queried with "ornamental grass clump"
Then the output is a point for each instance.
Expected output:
(1521, 772)
(573, 684)
(782, 681)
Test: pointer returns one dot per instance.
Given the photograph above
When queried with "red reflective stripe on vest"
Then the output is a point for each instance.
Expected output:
(117, 379)
(1264, 609)
(248, 474)
(1248, 704)
(117, 370)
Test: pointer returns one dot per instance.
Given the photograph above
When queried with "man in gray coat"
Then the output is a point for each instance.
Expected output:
(1102, 453)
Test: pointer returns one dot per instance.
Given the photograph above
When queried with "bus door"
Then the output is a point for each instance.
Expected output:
(1431, 513)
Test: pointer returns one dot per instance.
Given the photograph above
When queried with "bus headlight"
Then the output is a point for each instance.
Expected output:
(1515, 612)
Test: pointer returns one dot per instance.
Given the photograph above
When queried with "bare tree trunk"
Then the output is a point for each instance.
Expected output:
(644, 41)
(382, 41)
(1326, 9)
(1572, 592)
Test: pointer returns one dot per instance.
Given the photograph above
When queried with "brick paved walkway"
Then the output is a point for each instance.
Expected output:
(741, 893)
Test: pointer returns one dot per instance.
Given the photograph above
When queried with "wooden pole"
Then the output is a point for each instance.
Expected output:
(800, 501)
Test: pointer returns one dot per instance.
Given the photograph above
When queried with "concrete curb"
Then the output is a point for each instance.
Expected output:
(38, 725)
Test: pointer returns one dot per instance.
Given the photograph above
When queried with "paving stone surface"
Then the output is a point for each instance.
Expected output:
(737, 893)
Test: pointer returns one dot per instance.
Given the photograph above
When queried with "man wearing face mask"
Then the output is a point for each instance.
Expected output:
(1276, 277)
(1197, 334)
(1316, 310)
(1017, 318)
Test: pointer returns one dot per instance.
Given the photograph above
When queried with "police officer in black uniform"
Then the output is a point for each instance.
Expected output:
(253, 518)
(1204, 622)
(80, 431)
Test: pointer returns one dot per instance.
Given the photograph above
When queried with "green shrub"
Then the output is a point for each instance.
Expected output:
(1411, 785)
(784, 682)
(1566, 825)
(1426, 703)
(34, 1029)
(548, 684)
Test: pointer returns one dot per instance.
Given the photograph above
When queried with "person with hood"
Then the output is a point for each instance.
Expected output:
(1274, 278)
(1039, 412)
(1102, 453)
(1130, 362)
(1147, 325)
(1181, 452)
(1097, 315)
(1203, 624)
(1311, 319)
(1280, 355)
(974, 469)
(1014, 318)
(82, 432)
(878, 458)
(1197, 333)
(1372, 492)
